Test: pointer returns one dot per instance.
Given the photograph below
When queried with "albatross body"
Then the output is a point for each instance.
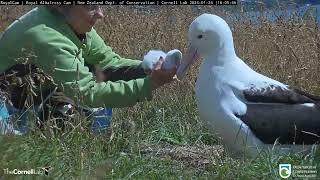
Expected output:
(248, 110)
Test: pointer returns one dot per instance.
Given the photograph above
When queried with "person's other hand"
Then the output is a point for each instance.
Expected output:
(100, 75)
(160, 76)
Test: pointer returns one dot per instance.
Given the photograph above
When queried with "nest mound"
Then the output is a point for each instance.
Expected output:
(199, 156)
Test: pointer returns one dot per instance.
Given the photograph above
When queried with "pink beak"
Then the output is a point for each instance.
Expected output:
(187, 61)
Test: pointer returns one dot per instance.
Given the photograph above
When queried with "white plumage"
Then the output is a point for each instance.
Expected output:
(172, 59)
(243, 106)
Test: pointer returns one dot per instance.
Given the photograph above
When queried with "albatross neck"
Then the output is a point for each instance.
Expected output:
(221, 56)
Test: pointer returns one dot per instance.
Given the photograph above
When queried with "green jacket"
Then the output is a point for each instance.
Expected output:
(56, 49)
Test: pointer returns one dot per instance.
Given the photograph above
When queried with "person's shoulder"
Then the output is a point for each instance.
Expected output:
(36, 26)
(93, 31)
(95, 38)
(20, 25)
(47, 28)
(93, 34)
(42, 32)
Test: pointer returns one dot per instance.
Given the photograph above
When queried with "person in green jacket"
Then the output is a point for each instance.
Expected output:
(62, 42)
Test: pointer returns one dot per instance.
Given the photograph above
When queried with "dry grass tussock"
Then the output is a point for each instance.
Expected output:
(197, 156)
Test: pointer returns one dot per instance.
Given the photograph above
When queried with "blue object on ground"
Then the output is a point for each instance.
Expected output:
(4, 114)
(4, 117)
(101, 120)
(6, 126)
(21, 124)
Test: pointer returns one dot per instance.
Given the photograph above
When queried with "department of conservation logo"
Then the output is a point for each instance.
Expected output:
(284, 170)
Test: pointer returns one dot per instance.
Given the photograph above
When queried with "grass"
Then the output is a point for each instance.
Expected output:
(80, 154)
(165, 138)
(165, 123)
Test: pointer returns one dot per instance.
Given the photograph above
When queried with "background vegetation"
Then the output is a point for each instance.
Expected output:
(165, 138)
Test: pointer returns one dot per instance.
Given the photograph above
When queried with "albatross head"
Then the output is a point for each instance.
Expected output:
(209, 37)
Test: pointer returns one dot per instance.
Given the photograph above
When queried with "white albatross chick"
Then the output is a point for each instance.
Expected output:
(172, 59)
(249, 111)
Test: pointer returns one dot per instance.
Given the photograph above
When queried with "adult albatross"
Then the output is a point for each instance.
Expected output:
(248, 110)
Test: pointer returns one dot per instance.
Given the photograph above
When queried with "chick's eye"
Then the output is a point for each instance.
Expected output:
(199, 36)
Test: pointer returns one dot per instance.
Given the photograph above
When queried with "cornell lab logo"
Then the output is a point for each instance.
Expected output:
(46, 170)
(284, 170)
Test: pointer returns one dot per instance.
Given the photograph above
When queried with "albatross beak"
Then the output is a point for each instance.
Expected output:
(187, 61)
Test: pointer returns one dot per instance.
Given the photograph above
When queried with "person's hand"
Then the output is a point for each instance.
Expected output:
(160, 76)
(100, 75)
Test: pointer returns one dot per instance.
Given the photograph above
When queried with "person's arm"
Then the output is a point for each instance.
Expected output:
(113, 66)
(60, 58)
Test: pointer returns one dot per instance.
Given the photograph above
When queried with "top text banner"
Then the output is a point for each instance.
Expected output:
(126, 2)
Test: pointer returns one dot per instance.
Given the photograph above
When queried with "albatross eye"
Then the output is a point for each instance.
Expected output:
(200, 36)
